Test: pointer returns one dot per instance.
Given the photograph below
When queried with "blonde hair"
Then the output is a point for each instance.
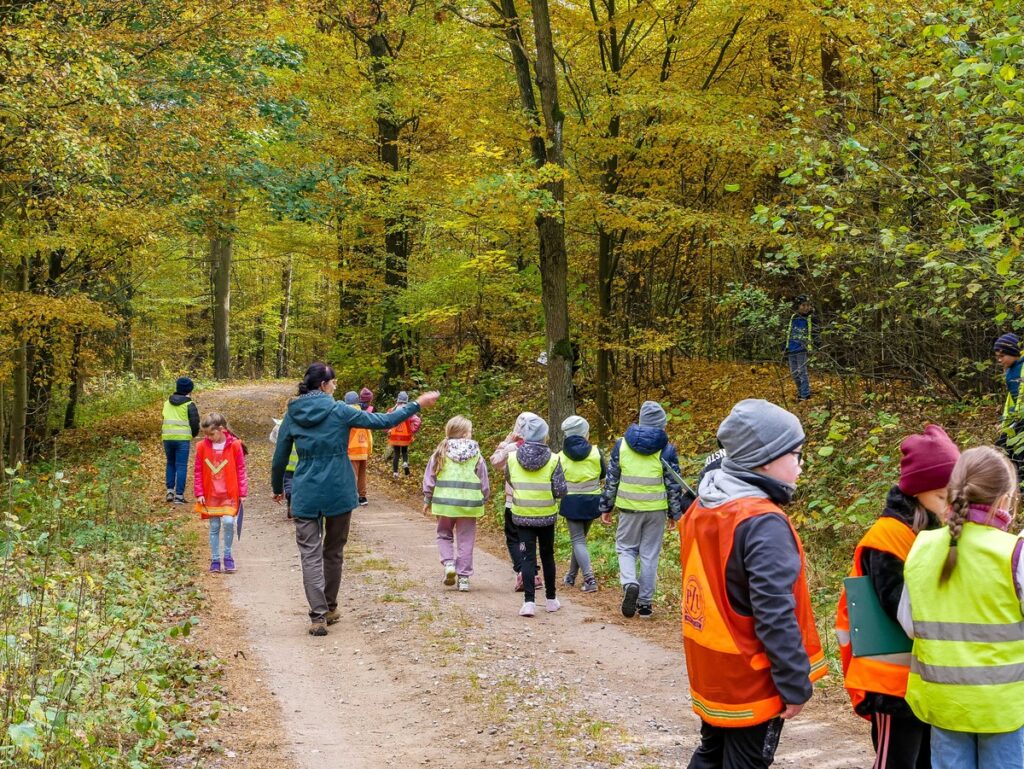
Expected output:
(456, 427)
(982, 476)
(214, 421)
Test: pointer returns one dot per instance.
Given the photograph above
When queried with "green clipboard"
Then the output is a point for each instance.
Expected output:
(872, 631)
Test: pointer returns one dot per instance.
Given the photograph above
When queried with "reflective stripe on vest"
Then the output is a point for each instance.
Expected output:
(293, 460)
(532, 496)
(730, 675)
(882, 673)
(641, 481)
(967, 672)
(176, 426)
(458, 492)
(584, 476)
(807, 340)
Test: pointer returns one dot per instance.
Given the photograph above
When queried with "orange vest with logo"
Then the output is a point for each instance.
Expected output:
(730, 675)
(400, 435)
(886, 673)
(218, 465)
(359, 445)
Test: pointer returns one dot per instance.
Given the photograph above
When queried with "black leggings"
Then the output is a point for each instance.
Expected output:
(404, 451)
(529, 539)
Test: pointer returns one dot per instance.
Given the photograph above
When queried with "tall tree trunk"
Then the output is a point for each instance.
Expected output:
(19, 401)
(75, 386)
(221, 251)
(286, 303)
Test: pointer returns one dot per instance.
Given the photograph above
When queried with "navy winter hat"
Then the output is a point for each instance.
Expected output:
(184, 386)
(1008, 344)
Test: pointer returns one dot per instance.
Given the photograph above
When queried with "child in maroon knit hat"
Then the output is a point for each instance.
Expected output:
(878, 687)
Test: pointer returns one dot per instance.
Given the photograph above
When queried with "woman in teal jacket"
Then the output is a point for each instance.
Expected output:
(324, 485)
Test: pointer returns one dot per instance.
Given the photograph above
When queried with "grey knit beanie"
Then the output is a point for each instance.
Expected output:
(351, 397)
(575, 425)
(533, 428)
(757, 432)
(403, 397)
(653, 415)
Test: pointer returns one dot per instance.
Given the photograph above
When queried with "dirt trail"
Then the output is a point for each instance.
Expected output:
(416, 674)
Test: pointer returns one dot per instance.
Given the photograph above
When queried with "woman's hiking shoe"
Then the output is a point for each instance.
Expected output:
(629, 596)
(170, 496)
(318, 628)
(229, 564)
(519, 583)
(644, 611)
(528, 610)
(589, 585)
(449, 573)
(553, 604)
(463, 584)
(214, 567)
(332, 616)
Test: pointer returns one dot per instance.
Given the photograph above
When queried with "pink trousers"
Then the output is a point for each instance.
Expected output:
(455, 538)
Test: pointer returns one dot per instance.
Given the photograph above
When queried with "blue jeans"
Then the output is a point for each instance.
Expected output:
(225, 523)
(966, 750)
(177, 464)
(798, 370)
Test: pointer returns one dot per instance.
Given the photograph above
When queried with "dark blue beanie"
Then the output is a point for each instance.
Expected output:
(183, 386)
(1008, 344)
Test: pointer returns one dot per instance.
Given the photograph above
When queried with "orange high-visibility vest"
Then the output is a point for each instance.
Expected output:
(885, 673)
(213, 463)
(730, 675)
(400, 435)
(359, 445)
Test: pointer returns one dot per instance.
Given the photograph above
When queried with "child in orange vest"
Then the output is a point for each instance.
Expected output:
(400, 438)
(360, 445)
(220, 486)
(878, 687)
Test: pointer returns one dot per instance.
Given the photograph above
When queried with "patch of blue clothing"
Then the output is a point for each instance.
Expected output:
(799, 333)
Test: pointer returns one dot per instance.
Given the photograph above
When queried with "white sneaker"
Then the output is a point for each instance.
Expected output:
(553, 604)
(528, 610)
(463, 584)
(449, 573)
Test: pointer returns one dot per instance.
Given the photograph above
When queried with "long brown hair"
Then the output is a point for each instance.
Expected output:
(457, 427)
(982, 476)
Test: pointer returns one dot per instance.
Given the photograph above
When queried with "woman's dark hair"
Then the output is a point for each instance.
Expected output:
(316, 375)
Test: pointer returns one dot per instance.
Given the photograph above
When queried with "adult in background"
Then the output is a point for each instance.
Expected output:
(180, 426)
(1007, 351)
(324, 486)
(799, 340)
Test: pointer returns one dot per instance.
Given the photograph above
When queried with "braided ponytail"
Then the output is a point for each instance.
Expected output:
(957, 517)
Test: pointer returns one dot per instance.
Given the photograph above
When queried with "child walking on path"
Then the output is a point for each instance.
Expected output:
(360, 443)
(961, 604)
(400, 438)
(646, 494)
(499, 460)
(455, 489)
(584, 469)
(878, 684)
(752, 648)
(180, 426)
(537, 482)
(220, 486)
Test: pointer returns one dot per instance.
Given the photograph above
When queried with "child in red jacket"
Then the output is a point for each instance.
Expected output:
(220, 486)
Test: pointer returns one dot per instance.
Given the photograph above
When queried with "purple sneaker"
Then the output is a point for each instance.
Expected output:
(229, 564)
(214, 567)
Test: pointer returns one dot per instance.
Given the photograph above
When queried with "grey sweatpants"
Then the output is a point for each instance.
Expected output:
(322, 560)
(580, 560)
(639, 536)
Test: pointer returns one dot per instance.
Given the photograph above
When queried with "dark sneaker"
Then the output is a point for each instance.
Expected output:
(569, 580)
(318, 628)
(589, 585)
(406, 468)
(629, 596)
(362, 501)
(179, 499)
(170, 496)
(214, 567)
(644, 611)
(332, 616)
(229, 564)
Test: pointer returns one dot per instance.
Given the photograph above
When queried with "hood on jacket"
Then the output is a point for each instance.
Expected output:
(462, 449)
(311, 409)
(903, 506)
(731, 482)
(576, 447)
(177, 400)
(644, 439)
(532, 455)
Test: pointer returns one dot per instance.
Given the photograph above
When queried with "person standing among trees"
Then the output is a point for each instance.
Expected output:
(584, 470)
(180, 426)
(400, 438)
(323, 489)
(1007, 351)
(799, 342)
(752, 648)
(360, 445)
(499, 460)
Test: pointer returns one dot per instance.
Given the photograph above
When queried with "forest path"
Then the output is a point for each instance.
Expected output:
(416, 674)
